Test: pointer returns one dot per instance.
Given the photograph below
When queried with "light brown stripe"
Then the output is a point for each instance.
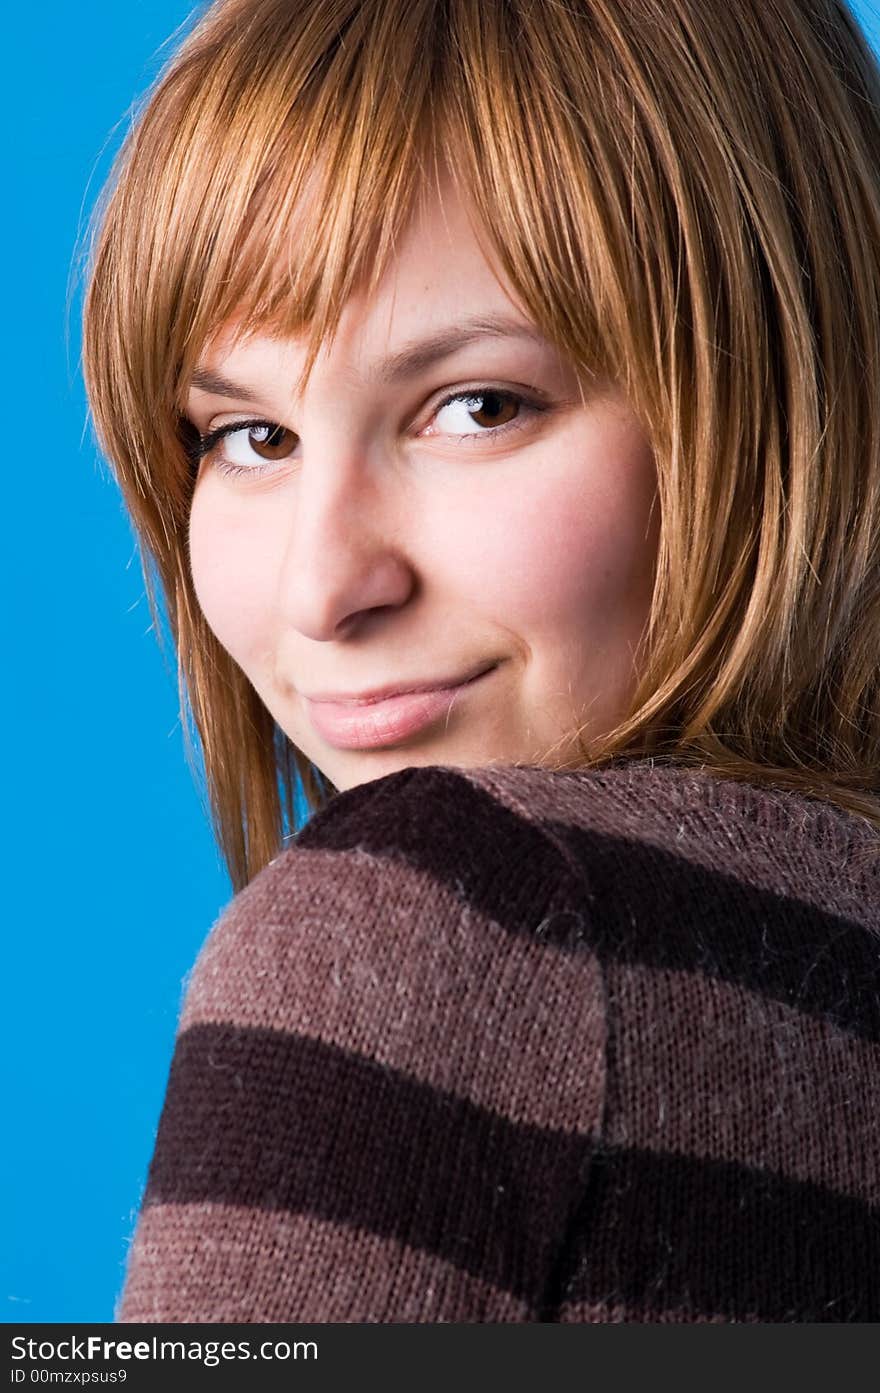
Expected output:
(195, 1263)
(731, 1075)
(784, 842)
(437, 990)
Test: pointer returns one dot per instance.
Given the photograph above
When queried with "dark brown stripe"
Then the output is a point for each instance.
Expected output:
(718, 1239)
(640, 904)
(612, 1313)
(272, 1121)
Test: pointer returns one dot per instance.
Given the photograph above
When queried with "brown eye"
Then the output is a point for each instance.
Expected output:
(495, 408)
(481, 411)
(271, 442)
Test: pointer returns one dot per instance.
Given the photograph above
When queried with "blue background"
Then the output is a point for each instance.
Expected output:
(113, 878)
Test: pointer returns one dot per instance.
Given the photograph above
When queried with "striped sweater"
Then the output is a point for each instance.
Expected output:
(512, 1044)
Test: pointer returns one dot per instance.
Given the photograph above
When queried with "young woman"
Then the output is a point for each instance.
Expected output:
(493, 386)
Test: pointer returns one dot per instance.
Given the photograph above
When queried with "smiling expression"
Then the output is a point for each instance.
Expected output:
(443, 497)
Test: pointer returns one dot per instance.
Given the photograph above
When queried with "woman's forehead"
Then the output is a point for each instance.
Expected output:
(414, 313)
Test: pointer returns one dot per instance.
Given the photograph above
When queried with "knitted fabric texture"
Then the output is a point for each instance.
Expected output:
(512, 1044)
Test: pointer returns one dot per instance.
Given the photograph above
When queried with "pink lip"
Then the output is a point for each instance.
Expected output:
(372, 724)
(383, 693)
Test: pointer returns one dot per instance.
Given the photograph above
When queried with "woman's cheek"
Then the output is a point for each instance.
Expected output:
(547, 552)
(230, 577)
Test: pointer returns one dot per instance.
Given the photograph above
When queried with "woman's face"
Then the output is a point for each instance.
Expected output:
(439, 501)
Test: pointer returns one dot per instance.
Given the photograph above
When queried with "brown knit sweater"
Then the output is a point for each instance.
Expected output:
(510, 1044)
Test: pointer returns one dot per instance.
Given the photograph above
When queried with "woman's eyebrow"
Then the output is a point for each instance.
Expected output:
(417, 355)
(219, 386)
(410, 360)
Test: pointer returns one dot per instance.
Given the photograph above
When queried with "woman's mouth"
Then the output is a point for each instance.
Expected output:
(385, 722)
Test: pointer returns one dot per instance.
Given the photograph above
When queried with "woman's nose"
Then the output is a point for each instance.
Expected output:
(345, 549)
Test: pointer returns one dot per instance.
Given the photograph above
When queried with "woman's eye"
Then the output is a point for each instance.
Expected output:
(261, 442)
(478, 411)
(244, 447)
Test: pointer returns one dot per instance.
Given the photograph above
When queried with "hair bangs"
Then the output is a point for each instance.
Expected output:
(307, 189)
(290, 162)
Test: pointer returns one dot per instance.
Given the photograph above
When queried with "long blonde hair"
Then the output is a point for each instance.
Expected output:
(686, 198)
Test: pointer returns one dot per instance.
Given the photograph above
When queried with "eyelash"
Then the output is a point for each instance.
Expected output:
(206, 444)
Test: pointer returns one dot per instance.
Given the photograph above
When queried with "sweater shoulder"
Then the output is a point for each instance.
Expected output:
(670, 868)
(674, 820)
(414, 923)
